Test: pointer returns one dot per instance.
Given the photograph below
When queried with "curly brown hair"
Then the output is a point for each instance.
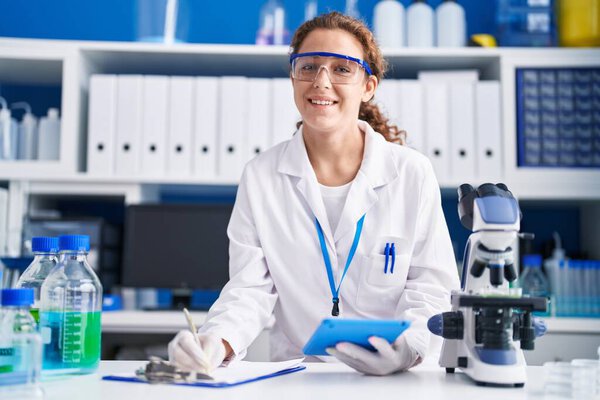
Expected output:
(369, 111)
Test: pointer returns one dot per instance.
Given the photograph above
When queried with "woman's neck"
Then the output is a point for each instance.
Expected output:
(335, 156)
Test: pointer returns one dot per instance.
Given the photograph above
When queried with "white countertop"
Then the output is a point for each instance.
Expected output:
(318, 381)
(173, 321)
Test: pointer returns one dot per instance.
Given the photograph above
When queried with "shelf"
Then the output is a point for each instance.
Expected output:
(148, 321)
(573, 325)
(174, 321)
(83, 184)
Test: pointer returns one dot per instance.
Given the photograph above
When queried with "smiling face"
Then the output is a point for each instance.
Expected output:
(327, 107)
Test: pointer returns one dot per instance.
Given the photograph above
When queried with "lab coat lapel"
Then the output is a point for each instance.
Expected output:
(295, 162)
(377, 169)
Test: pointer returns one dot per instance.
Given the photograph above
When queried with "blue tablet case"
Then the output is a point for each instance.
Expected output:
(335, 330)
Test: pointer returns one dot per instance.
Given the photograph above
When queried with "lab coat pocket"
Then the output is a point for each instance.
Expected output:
(379, 293)
(396, 277)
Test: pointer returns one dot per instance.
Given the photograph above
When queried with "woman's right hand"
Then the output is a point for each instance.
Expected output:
(188, 355)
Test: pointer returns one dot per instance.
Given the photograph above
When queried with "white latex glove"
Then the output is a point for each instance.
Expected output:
(188, 355)
(388, 359)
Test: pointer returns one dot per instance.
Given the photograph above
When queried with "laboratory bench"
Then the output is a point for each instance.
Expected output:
(317, 381)
(566, 339)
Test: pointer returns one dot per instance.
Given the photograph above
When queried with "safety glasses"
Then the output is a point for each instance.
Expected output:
(341, 69)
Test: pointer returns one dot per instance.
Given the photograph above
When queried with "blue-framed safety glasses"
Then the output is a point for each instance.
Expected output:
(341, 69)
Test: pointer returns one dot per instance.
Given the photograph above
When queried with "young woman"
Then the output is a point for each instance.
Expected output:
(315, 216)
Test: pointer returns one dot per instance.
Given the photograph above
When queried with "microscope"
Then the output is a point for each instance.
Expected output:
(488, 318)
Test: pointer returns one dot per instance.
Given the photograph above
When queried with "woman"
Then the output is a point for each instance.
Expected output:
(338, 191)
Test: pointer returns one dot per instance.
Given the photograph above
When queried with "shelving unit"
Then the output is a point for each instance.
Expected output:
(71, 63)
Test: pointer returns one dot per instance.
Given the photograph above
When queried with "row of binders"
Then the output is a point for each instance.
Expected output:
(179, 126)
(451, 117)
(209, 127)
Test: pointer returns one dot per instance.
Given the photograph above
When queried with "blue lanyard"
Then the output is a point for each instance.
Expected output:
(335, 311)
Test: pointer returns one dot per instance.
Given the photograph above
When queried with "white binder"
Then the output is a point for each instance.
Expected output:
(181, 119)
(102, 114)
(206, 127)
(488, 128)
(154, 125)
(259, 121)
(437, 139)
(129, 124)
(462, 131)
(284, 113)
(410, 99)
(233, 103)
(387, 98)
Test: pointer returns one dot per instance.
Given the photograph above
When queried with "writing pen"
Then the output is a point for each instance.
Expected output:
(192, 327)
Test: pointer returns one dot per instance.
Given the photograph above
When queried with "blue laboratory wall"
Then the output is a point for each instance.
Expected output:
(204, 21)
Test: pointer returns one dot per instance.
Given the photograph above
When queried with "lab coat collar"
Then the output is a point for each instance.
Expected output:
(377, 169)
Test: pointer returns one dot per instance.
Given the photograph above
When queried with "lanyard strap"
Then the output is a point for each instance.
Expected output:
(335, 291)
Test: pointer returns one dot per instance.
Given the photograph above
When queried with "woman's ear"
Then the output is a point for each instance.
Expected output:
(370, 87)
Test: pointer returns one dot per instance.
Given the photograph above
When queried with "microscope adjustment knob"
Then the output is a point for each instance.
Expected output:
(449, 325)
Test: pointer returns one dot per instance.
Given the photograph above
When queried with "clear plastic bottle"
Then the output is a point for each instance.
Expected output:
(20, 347)
(552, 268)
(70, 311)
(272, 28)
(532, 280)
(44, 251)
(310, 9)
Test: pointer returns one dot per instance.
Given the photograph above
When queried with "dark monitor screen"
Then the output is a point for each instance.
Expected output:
(176, 246)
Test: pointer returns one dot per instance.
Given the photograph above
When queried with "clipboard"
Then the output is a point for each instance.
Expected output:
(247, 372)
(335, 330)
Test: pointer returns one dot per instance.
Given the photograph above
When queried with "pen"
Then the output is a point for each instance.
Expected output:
(386, 252)
(192, 327)
(393, 252)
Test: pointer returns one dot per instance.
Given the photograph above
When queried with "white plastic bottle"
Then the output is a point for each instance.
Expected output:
(28, 133)
(450, 24)
(419, 25)
(389, 24)
(8, 133)
(49, 136)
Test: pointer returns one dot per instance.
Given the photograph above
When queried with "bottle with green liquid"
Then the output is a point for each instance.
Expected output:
(71, 304)
(44, 251)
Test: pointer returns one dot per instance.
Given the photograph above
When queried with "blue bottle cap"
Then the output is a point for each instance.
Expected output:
(17, 297)
(74, 243)
(42, 244)
(532, 260)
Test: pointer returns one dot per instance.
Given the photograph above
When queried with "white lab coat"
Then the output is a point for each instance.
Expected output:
(276, 265)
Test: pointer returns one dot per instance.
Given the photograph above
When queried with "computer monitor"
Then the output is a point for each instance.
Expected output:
(176, 246)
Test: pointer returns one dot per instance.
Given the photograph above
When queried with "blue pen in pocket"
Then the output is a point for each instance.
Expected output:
(393, 254)
(386, 253)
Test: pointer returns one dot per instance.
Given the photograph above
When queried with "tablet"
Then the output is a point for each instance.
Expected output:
(335, 330)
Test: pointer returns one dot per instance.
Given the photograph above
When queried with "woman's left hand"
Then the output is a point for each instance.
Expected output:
(388, 358)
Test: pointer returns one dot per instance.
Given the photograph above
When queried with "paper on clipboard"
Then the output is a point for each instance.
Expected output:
(236, 373)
